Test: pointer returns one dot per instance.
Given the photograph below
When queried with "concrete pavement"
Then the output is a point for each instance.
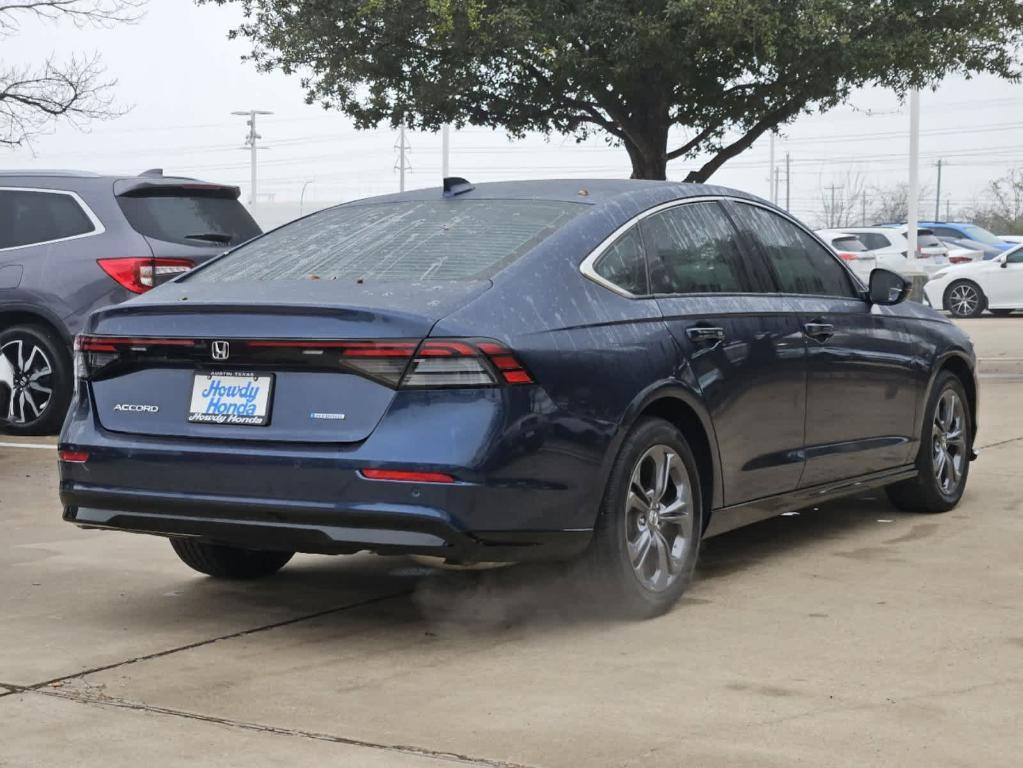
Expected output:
(851, 634)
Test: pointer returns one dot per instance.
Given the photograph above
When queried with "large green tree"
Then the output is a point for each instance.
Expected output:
(725, 71)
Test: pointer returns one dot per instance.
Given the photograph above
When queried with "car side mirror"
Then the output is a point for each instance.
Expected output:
(887, 287)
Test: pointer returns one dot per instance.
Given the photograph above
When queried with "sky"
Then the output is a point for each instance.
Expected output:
(181, 78)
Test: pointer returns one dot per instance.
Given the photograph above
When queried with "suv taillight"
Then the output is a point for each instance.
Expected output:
(138, 275)
(847, 256)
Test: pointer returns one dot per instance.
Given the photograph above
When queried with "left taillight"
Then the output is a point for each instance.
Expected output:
(138, 275)
(93, 353)
(847, 256)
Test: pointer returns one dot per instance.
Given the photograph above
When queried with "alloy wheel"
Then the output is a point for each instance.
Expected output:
(964, 300)
(26, 379)
(658, 518)
(948, 442)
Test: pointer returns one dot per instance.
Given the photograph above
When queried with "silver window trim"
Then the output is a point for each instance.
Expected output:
(587, 267)
(98, 228)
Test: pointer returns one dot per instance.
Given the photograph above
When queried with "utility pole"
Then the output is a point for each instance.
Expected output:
(832, 217)
(777, 182)
(445, 151)
(402, 165)
(937, 195)
(948, 209)
(788, 182)
(251, 141)
(913, 203)
(771, 191)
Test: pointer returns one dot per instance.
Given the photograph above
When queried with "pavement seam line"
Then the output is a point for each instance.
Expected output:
(999, 443)
(210, 641)
(279, 731)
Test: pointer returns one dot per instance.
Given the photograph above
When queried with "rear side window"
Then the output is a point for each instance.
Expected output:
(28, 217)
(407, 241)
(926, 239)
(623, 264)
(850, 244)
(801, 265)
(874, 241)
(693, 249)
(188, 217)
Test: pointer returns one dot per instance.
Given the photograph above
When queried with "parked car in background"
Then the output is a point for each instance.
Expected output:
(969, 236)
(605, 370)
(890, 241)
(986, 251)
(850, 249)
(967, 290)
(1011, 239)
(960, 254)
(72, 242)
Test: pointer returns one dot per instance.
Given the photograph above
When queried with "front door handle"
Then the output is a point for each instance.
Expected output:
(703, 334)
(819, 331)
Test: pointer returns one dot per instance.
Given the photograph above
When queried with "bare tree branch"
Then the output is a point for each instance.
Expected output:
(33, 98)
(82, 13)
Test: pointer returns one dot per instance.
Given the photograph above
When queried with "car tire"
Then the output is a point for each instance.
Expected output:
(1001, 312)
(943, 461)
(223, 562)
(36, 380)
(641, 560)
(964, 298)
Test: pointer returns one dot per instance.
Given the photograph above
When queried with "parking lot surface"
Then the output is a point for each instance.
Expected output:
(850, 634)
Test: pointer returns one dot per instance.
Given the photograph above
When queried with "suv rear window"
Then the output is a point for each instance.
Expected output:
(925, 239)
(849, 244)
(28, 217)
(406, 241)
(189, 216)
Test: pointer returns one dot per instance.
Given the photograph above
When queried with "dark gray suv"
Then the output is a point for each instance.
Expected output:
(71, 242)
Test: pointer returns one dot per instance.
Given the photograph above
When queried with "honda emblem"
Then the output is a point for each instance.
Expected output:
(221, 350)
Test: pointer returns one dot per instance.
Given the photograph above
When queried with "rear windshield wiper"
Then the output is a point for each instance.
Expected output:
(212, 237)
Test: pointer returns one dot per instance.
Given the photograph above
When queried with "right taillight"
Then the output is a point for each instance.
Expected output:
(138, 275)
(463, 363)
(846, 256)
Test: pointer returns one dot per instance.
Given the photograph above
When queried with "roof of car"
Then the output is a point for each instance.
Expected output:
(586, 191)
(29, 172)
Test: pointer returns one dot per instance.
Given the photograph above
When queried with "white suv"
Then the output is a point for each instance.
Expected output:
(889, 243)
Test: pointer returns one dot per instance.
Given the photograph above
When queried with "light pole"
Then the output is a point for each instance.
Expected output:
(912, 203)
(251, 141)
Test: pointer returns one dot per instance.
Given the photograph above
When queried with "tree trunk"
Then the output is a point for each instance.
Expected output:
(648, 149)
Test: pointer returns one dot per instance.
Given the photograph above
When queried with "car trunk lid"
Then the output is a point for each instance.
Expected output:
(323, 360)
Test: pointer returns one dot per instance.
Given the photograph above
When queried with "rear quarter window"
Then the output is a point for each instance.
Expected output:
(405, 241)
(30, 217)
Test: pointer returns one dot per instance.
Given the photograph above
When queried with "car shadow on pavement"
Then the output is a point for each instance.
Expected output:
(397, 592)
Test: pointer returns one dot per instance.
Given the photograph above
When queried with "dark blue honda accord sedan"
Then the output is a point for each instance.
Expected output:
(602, 370)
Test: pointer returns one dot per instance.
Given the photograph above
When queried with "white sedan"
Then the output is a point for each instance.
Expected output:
(966, 290)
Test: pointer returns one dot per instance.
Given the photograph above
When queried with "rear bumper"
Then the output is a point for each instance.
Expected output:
(242, 523)
(514, 499)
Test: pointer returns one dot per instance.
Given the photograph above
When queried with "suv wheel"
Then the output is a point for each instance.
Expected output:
(944, 457)
(225, 562)
(35, 380)
(648, 533)
(965, 299)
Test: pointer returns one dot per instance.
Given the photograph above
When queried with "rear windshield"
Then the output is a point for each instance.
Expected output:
(981, 235)
(850, 244)
(925, 239)
(406, 241)
(185, 217)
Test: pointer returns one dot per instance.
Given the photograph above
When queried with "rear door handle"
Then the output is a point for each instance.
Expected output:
(819, 331)
(702, 334)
